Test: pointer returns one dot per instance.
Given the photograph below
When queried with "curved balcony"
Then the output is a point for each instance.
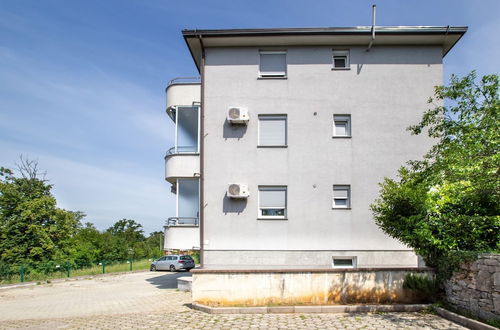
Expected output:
(183, 92)
(182, 233)
(182, 162)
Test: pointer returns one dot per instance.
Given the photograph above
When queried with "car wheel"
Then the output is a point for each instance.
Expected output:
(152, 268)
(172, 268)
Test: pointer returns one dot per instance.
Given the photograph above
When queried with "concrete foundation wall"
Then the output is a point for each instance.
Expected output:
(305, 259)
(311, 287)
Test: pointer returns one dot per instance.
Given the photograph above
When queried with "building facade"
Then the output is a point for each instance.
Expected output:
(322, 121)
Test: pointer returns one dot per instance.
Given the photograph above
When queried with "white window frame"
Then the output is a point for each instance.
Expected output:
(342, 118)
(273, 74)
(272, 188)
(341, 53)
(273, 117)
(348, 198)
(354, 260)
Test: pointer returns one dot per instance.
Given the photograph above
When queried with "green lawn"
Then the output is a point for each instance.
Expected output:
(95, 270)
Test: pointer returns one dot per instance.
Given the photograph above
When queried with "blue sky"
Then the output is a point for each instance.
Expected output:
(82, 83)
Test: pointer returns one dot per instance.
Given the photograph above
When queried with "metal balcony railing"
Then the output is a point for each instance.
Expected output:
(182, 150)
(182, 221)
(184, 80)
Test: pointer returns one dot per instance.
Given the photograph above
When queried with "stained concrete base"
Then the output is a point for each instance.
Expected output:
(311, 309)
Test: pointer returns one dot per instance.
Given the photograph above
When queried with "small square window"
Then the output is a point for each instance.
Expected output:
(341, 59)
(272, 202)
(341, 197)
(272, 64)
(342, 125)
(272, 131)
(344, 262)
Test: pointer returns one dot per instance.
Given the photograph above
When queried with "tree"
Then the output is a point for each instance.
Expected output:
(32, 228)
(449, 201)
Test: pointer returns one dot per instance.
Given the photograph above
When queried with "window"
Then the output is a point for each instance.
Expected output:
(272, 131)
(272, 64)
(341, 197)
(342, 125)
(344, 262)
(272, 202)
(341, 59)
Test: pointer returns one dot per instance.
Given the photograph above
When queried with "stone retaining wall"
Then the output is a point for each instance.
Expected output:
(476, 287)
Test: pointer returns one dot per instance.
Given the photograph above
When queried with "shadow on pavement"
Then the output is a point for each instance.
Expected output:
(167, 280)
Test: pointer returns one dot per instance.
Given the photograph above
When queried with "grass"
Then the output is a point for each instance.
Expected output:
(95, 270)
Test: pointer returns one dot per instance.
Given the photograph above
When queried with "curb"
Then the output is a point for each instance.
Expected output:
(462, 320)
(66, 279)
(311, 309)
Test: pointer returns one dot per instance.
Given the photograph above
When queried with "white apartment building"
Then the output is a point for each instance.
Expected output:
(300, 125)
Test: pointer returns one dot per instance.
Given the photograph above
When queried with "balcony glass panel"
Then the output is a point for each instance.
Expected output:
(186, 130)
(188, 195)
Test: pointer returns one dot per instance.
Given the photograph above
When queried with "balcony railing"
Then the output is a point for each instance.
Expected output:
(184, 80)
(182, 221)
(182, 150)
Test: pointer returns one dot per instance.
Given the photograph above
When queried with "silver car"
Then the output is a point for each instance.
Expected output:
(173, 263)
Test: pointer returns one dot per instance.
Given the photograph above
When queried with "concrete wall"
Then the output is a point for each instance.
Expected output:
(385, 91)
(221, 259)
(315, 287)
(476, 287)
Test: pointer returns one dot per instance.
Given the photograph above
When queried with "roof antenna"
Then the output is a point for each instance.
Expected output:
(374, 13)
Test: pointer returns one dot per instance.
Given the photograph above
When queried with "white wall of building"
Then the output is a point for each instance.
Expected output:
(385, 91)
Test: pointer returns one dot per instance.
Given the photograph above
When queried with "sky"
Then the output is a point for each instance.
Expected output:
(82, 83)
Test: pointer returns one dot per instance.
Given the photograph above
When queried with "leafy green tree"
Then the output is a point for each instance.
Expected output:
(449, 201)
(32, 228)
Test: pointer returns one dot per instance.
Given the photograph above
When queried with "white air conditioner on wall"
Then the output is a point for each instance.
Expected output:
(237, 190)
(237, 115)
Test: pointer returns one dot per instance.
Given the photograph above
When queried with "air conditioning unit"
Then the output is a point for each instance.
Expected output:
(237, 190)
(237, 115)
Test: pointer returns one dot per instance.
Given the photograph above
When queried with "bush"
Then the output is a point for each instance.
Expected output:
(424, 286)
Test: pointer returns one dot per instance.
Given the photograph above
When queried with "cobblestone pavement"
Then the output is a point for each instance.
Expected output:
(149, 300)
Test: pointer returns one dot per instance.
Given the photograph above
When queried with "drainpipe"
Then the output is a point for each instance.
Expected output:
(374, 12)
(202, 151)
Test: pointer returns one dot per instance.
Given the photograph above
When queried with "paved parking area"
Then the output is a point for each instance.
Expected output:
(150, 300)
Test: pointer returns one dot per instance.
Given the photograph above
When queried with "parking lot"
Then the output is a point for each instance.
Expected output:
(150, 300)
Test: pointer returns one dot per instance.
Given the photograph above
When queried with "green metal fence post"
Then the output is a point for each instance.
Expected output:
(22, 273)
(68, 269)
(103, 267)
(130, 264)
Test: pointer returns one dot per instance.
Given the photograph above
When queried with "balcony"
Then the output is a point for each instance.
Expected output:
(183, 92)
(182, 232)
(182, 160)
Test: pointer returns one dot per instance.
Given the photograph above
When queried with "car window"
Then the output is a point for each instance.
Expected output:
(186, 258)
(169, 258)
(162, 258)
(174, 258)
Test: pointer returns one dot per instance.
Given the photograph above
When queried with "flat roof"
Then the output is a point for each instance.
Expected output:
(444, 36)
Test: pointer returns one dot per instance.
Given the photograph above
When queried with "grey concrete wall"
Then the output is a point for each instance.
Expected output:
(301, 287)
(476, 287)
(385, 91)
(234, 259)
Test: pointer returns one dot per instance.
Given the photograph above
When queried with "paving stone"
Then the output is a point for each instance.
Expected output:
(150, 301)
